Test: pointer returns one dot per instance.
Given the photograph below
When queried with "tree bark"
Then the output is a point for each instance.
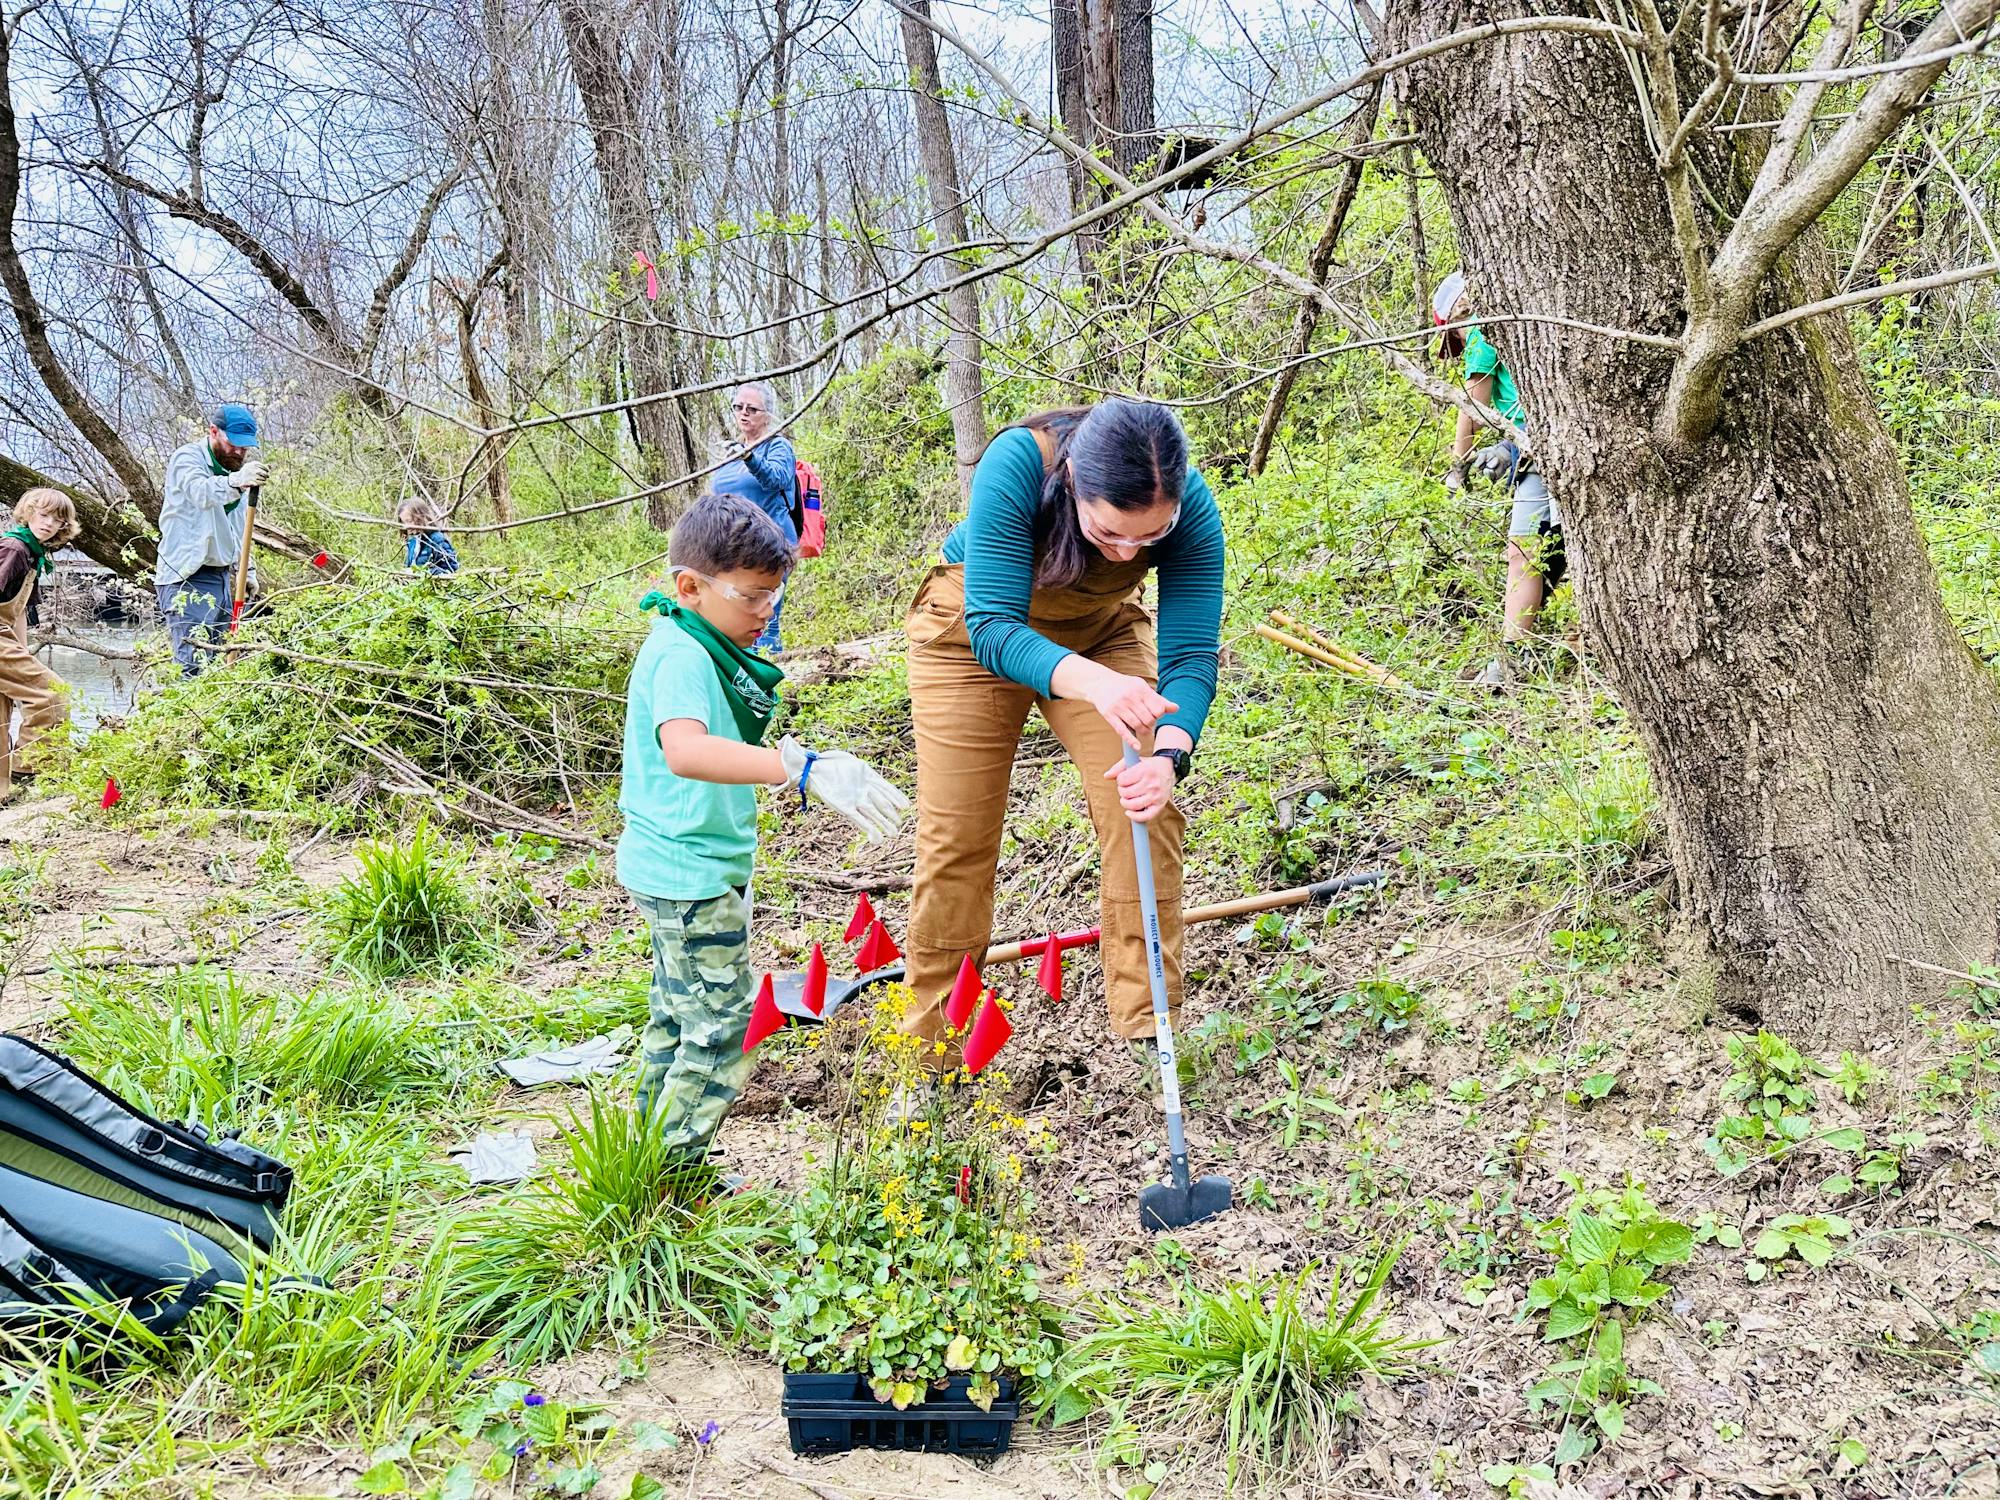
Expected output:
(1822, 743)
(964, 378)
(1138, 130)
(781, 175)
(617, 135)
(1066, 41)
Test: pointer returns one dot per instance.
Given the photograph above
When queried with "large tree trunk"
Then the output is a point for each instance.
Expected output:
(1138, 132)
(618, 138)
(964, 380)
(1823, 744)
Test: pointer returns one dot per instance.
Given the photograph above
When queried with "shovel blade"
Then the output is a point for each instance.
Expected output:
(1164, 1206)
(789, 990)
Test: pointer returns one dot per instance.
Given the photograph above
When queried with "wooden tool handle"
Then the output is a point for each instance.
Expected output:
(1242, 906)
(242, 589)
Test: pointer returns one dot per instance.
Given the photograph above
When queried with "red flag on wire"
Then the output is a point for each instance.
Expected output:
(320, 559)
(815, 994)
(989, 1034)
(879, 950)
(112, 796)
(765, 1017)
(964, 994)
(1049, 975)
(965, 1185)
(864, 916)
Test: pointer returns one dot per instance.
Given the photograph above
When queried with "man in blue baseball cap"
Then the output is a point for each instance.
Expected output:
(201, 529)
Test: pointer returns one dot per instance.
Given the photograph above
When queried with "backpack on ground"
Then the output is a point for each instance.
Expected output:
(98, 1197)
(808, 515)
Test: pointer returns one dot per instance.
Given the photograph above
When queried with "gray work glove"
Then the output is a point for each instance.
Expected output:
(1454, 478)
(249, 476)
(847, 784)
(1499, 463)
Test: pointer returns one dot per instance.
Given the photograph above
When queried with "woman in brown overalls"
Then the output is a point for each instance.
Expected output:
(1037, 604)
(44, 520)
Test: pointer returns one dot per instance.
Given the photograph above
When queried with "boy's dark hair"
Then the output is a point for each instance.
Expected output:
(721, 533)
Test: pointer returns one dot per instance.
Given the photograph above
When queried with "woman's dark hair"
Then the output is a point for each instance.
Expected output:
(721, 533)
(1131, 455)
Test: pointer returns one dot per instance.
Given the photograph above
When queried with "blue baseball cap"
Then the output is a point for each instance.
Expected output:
(236, 424)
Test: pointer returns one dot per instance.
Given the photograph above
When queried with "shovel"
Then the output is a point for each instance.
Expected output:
(789, 989)
(1176, 1204)
(241, 589)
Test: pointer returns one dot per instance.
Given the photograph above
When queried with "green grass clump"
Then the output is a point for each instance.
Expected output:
(1266, 1374)
(623, 1240)
(407, 911)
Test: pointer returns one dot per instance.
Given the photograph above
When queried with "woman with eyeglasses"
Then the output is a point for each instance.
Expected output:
(1037, 605)
(764, 470)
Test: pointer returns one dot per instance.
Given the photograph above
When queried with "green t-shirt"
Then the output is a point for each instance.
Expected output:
(683, 840)
(1481, 358)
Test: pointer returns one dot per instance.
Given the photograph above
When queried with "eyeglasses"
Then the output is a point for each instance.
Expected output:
(1092, 534)
(744, 411)
(754, 598)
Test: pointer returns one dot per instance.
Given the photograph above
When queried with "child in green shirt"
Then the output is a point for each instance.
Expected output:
(697, 708)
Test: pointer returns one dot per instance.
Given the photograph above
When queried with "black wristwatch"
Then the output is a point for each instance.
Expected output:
(1180, 760)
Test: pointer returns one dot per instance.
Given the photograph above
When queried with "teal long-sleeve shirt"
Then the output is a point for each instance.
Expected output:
(996, 543)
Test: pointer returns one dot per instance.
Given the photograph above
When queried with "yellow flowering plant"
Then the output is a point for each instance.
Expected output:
(912, 1251)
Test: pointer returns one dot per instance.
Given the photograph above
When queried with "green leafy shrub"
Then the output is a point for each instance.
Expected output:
(1810, 1237)
(912, 1247)
(1772, 1088)
(626, 1241)
(504, 683)
(408, 910)
(1605, 1261)
(1252, 1366)
(1608, 1249)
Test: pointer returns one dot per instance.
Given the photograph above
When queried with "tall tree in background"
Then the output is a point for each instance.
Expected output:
(616, 113)
(1823, 744)
(1138, 131)
(964, 378)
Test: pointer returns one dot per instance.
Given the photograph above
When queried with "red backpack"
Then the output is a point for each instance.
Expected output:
(807, 516)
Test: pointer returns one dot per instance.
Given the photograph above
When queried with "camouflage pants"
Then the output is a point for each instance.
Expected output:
(692, 1064)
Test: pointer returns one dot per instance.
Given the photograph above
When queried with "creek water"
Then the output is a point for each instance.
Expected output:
(98, 688)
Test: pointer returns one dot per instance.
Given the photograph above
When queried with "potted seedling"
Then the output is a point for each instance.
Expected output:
(907, 1311)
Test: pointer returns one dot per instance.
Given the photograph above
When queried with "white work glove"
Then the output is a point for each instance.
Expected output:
(847, 784)
(249, 476)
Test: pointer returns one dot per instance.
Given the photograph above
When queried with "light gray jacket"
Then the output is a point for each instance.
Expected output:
(201, 519)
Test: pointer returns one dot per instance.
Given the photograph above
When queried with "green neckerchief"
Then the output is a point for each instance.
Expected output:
(35, 548)
(749, 682)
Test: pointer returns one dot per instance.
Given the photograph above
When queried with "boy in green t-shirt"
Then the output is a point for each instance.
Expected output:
(696, 711)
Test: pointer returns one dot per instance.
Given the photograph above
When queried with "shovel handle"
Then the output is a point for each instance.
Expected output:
(1220, 911)
(242, 588)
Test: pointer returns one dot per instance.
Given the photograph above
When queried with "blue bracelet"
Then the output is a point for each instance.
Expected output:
(805, 776)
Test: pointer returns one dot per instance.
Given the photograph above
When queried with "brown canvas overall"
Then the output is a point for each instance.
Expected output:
(24, 684)
(968, 726)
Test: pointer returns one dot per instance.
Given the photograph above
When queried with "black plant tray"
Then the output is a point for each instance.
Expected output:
(836, 1414)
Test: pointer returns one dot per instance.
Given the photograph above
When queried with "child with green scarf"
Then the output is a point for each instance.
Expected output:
(44, 520)
(696, 712)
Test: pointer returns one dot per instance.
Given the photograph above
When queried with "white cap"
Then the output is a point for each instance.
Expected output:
(1445, 298)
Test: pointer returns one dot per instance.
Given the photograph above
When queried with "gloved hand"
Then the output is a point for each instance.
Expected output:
(1454, 478)
(252, 474)
(847, 784)
(1499, 463)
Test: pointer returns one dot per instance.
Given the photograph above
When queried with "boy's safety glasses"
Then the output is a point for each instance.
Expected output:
(754, 598)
